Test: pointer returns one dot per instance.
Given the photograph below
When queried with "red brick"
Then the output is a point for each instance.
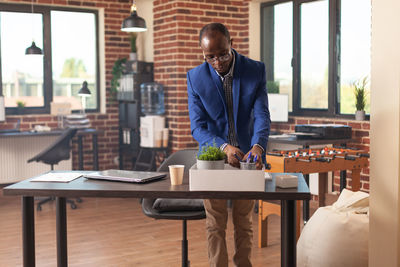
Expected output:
(355, 125)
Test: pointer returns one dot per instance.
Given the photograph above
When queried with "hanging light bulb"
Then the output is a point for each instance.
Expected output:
(134, 23)
(33, 49)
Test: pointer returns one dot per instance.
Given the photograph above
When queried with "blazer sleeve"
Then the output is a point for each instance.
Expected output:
(262, 120)
(199, 117)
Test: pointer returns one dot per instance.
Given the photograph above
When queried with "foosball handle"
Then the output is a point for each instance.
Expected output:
(349, 157)
(322, 159)
(366, 155)
(267, 166)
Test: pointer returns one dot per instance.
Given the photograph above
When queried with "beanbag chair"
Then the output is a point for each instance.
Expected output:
(337, 235)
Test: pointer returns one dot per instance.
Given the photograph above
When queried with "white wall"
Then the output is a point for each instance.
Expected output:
(254, 26)
(385, 136)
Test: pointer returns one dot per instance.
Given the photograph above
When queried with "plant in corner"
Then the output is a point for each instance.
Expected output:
(210, 157)
(117, 70)
(360, 93)
(133, 54)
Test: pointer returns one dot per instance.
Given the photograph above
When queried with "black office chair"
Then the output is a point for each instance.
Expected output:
(59, 150)
(177, 209)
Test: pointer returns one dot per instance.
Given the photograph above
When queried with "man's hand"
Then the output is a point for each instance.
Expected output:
(256, 150)
(230, 152)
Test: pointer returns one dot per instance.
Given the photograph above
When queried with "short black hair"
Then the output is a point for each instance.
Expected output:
(214, 27)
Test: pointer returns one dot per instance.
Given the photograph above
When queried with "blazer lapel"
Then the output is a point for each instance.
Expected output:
(218, 84)
(236, 87)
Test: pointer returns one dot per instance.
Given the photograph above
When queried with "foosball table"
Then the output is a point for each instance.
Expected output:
(306, 161)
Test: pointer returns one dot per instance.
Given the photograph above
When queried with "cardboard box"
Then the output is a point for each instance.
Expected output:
(229, 179)
(151, 128)
(57, 108)
(286, 181)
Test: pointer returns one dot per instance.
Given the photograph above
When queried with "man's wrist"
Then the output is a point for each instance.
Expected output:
(223, 146)
(260, 147)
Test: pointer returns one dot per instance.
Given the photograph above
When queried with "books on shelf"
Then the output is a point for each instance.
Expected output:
(79, 121)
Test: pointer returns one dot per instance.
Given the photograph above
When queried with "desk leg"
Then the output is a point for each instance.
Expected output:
(95, 153)
(306, 203)
(343, 182)
(28, 231)
(80, 152)
(322, 188)
(288, 233)
(61, 228)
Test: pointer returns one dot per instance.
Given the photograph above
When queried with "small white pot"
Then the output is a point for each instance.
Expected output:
(132, 56)
(360, 115)
(210, 164)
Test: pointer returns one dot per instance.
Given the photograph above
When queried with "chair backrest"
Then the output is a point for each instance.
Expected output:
(185, 157)
(59, 150)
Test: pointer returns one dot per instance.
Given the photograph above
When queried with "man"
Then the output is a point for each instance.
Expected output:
(224, 93)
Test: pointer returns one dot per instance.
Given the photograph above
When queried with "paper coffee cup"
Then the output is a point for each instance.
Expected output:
(158, 137)
(165, 137)
(176, 174)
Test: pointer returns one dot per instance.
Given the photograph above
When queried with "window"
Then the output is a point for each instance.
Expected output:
(68, 39)
(277, 57)
(355, 50)
(314, 54)
(329, 51)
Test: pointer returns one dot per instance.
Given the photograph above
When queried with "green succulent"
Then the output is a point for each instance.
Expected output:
(20, 104)
(211, 152)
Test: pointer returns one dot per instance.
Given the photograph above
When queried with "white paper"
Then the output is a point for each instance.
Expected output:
(61, 177)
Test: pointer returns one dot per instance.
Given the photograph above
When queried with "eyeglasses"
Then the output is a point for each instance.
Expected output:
(222, 58)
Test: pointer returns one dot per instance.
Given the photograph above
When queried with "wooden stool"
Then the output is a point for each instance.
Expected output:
(268, 208)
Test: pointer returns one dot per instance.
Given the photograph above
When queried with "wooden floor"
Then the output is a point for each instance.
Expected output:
(114, 232)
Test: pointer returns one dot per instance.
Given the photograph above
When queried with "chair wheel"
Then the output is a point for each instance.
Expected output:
(73, 206)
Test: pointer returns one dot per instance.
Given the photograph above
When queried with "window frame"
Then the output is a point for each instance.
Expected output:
(334, 57)
(47, 61)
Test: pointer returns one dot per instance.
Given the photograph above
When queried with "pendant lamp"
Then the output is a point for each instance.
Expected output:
(83, 93)
(33, 49)
(134, 23)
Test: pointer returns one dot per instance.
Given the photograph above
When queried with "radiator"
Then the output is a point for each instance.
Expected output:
(15, 152)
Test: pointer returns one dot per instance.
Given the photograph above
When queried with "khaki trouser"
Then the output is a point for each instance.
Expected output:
(216, 221)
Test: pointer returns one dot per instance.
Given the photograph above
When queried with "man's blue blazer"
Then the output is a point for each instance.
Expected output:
(208, 110)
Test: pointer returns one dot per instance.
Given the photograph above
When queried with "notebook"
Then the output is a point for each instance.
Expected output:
(126, 176)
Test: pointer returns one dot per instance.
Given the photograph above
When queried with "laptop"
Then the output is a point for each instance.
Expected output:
(126, 176)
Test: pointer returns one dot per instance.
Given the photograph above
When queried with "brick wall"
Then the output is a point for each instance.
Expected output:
(176, 50)
(116, 46)
(360, 135)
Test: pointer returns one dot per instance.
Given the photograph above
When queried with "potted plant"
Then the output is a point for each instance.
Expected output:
(273, 87)
(117, 70)
(360, 93)
(20, 106)
(210, 158)
(133, 53)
